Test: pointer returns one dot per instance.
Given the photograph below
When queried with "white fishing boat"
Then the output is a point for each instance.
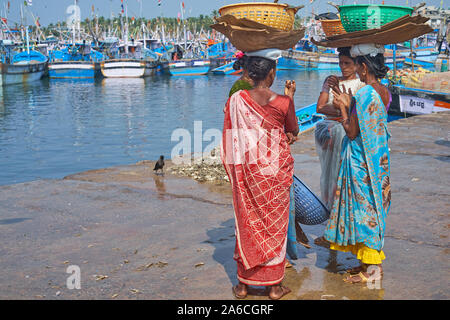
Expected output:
(129, 63)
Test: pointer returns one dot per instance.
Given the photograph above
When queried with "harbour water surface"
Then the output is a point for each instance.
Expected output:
(53, 128)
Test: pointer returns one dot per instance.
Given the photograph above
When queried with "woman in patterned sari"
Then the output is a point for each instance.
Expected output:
(362, 198)
(259, 125)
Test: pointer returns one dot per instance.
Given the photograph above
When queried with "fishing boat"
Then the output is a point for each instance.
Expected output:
(297, 60)
(308, 118)
(227, 69)
(330, 61)
(187, 67)
(128, 61)
(20, 67)
(151, 60)
(77, 61)
(414, 62)
(413, 101)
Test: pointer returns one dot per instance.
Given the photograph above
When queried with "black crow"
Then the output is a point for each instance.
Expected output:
(159, 164)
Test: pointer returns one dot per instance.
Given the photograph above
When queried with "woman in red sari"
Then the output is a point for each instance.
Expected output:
(259, 125)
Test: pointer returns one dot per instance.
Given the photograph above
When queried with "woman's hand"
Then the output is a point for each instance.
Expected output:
(342, 99)
(291, 138)
(289, 88)
(332, 81)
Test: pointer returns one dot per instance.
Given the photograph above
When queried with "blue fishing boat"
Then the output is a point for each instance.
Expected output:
(227, 69)
(330, 61)
(297, 60)
(419, 63)
(77, 61)
(187, 67)
(308, 118)
(20, 67)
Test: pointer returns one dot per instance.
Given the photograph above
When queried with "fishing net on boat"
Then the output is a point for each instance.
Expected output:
(328, 136)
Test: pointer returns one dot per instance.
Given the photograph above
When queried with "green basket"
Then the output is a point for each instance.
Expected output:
(360, 17)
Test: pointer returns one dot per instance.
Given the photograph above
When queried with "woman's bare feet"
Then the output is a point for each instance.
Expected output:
(358, 269)
(321, 241)
(278, 291)
(240, 290)
(367, 273)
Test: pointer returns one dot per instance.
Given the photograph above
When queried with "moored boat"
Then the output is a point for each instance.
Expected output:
(77, 61)
(123, 68)
(128, 62)
(22, 67)
(187, 67)
(297, 60)
(227, 69)
(308, 118)
(413, 101)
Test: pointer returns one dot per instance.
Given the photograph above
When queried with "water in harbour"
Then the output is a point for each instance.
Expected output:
(52, 128)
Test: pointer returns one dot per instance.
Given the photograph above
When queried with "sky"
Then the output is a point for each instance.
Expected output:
(51, 11)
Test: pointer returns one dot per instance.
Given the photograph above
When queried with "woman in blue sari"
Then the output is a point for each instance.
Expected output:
(362, 198)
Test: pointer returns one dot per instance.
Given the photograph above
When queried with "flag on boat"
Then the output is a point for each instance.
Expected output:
(159, 2)
(28, 2)
(5, 21)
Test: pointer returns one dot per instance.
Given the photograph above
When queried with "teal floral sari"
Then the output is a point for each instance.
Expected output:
(362, 199)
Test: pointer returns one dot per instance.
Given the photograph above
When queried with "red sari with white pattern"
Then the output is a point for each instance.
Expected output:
(258, 161)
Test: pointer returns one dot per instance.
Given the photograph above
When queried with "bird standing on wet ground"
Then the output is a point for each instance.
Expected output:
(159, 165)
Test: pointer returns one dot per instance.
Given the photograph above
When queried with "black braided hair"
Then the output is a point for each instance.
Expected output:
(375, 64)
(258, 68)
(241, 63)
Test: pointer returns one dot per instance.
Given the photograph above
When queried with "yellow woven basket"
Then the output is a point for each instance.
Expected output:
(332, 27)
(270, 14)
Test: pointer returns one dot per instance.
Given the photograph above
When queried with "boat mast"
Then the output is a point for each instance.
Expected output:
(184, 27)
(28, 41)
(126, 28)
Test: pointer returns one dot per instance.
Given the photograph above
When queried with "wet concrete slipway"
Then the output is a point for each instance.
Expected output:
(135, 235)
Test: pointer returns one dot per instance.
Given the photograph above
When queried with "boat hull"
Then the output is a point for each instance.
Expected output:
(297, 60)
(412, 101)
(150, 68)
(22, 73)
(308, 118)
(72, 70)
(429, 65)
(123, 68)
(187, 67)
(332, 62)
(227, 69)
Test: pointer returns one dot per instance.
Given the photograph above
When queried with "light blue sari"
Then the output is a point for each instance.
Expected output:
(362, 199)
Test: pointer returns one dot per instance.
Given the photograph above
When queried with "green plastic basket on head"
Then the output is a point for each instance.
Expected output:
(361, 17)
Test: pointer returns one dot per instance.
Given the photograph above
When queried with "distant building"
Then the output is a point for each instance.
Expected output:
(437, 16)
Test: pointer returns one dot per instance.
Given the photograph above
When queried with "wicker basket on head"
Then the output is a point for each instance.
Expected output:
(279, 16)
(332, 27)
